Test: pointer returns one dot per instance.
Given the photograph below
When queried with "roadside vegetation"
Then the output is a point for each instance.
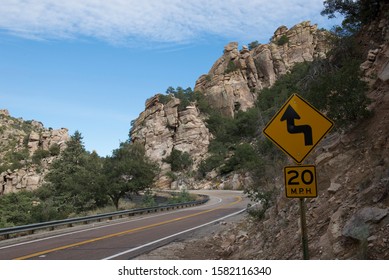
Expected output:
(80, 183)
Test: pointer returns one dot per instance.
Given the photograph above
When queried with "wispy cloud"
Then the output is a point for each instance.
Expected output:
(167, 21)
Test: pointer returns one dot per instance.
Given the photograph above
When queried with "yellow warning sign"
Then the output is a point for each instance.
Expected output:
(297, 128)
(300, 181)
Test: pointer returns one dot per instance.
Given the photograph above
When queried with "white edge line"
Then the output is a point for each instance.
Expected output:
(173, 235)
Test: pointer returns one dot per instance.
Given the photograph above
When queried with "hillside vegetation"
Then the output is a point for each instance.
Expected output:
(79, 181)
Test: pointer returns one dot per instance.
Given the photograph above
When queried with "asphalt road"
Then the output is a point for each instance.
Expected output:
(125, 238)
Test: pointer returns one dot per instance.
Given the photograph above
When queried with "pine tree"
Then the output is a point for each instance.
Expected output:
(74, 179)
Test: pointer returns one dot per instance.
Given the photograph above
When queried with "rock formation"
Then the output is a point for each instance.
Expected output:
(19, 141)
(163, 127)
(377, 59)
(235, 78)
(46, 139)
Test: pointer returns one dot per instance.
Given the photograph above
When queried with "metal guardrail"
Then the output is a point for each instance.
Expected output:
(30, 229)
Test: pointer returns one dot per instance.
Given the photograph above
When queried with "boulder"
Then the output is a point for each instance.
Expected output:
(384, 73)
(357, 227)
(26, 178)
(334, 187)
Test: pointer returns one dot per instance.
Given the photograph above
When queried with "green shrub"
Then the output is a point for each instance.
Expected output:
(181, 197)
(15, 160)
(24, 208)
(247, 123)
(342, 94)
(164, 99)
(39, 155)
(231, 67)
(283, 40)
(212, 162)
(178, 160)
(148, 199)
(253, 45)
(243, 155)
(222, 127)
(266, 199)
(54, 150)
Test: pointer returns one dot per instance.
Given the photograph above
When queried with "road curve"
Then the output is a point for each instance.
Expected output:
(125, 238)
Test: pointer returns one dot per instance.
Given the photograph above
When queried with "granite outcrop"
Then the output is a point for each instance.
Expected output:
(20, 140)
(164, 127)
(236, 77)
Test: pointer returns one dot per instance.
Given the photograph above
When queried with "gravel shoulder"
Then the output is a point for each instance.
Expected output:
(197, 245)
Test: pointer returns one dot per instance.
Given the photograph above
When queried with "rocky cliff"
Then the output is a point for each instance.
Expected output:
(26, 152)
(235, 78)
(231, 84)
(163, 127)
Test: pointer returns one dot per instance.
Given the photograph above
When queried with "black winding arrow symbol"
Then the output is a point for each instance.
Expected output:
(290, 115)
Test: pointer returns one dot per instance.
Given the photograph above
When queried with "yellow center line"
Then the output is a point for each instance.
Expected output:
(239, 199)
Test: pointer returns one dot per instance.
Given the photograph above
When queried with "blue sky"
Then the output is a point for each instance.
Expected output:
(90, 65)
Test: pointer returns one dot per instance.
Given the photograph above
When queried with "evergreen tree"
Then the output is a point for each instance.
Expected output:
(128, 171)
(73, 182)
(355, 12)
